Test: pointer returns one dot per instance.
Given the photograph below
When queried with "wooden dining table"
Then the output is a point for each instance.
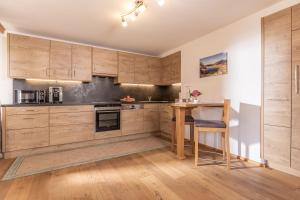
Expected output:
(180, 110)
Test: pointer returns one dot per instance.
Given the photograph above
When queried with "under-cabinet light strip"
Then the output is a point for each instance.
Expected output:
(46, 80)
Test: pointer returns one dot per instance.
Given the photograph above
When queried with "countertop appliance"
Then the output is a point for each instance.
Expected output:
(26, 96)
(55, 94)
(107, 116)
(132, 106)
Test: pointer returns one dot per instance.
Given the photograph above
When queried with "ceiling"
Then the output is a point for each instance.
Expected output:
(97, 22)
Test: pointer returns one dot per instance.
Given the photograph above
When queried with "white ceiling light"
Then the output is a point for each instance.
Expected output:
(161, 2)
(135, 9)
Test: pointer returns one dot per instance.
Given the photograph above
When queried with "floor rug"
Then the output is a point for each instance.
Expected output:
(34, 164)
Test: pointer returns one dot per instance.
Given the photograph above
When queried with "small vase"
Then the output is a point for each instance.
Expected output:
(195, 100)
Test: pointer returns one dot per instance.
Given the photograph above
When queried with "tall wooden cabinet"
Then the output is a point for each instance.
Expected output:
(281, 99)
(81, 63)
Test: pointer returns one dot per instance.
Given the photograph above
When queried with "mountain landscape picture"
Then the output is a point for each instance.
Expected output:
(213, 65)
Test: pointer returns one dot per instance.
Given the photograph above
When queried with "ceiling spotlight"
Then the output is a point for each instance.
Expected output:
(124, 22)
(161, 2)
(142, 8)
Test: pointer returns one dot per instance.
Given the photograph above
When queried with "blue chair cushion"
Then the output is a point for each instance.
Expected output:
(210, 124)
(188, 118)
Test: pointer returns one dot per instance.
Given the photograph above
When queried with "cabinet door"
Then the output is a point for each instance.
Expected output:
(277, 69)
(166, 70)
(126, 68)
(105, 62)
(132, 121)
(277, 87)
(71, 133)
(296, 17)
(28, 57)
(81, 63)
(296, 89)
(154, 71)
(151, 120)
(27, 138)
(60, 61)
(141, 70)
(176, 67)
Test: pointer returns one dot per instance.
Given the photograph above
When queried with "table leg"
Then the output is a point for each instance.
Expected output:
(180, 118)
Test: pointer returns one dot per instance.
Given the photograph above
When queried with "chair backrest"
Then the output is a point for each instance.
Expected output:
(226, 116)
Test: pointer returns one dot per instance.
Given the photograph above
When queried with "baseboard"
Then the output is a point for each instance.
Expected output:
(232, 155)
(284, 169)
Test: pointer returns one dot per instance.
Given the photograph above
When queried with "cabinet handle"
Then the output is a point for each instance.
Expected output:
(297, 79)
(28, 118)
(74, 72)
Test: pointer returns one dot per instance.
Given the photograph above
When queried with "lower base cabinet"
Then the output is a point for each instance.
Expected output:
(27, 138)
(132, 121)
(71, 133)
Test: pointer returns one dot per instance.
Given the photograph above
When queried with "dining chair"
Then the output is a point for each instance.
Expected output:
(214, 126)
(189, 120)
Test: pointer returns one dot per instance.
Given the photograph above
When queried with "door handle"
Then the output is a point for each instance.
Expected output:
(297, 79)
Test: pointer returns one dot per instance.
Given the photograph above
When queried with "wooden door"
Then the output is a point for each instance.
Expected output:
(60, 61)
(126, 68)
(277, 87)
(28, 57)
(296, 17)
(295, 100)
(155, 66)
(105, 62)
(81, 63)
(141, 70)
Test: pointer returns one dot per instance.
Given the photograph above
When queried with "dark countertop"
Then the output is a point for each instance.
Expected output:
(79, 103)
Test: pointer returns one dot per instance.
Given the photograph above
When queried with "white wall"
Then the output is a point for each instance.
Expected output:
(242, 84)
(5, 82)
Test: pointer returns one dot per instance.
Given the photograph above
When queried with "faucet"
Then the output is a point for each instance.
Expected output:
(149, 98)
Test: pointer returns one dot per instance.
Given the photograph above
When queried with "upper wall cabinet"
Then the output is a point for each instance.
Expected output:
(31, 57)
(141, 69)
(60, 61)
(155, 68)
(105, 62)
(28, 57)
(296, 17)
(81, 63)
(171, 69)
(125, 67)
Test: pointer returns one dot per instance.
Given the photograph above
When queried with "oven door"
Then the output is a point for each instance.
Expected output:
(107, 120)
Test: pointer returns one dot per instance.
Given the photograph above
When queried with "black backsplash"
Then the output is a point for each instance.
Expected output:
(101, 89)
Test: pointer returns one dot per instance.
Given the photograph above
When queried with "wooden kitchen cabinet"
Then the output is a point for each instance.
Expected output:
(25, 128)
(28, 57)
(81, 63)
(60, 61)
(70, 124)
(176, 68)
(277, 86)
(105, 62)
(296, 17)
(132, 121)
(166, 114)
(151, 118)
(125, 68)
(166, 73)
(141, 70)
(155, 67)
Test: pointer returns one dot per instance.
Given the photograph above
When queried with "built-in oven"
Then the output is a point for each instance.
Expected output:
(108, 117)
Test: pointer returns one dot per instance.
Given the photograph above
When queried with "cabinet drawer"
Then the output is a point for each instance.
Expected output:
(71, 109)
(62, 119)
(27, 138)
(27, 110)
(151, 106)
(27, 121)
(71, 133)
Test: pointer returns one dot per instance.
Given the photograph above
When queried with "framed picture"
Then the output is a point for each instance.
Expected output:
(213, 65)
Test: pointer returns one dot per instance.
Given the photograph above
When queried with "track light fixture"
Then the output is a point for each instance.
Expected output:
(138, 7)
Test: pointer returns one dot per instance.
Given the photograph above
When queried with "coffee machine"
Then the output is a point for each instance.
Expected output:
(55, 94)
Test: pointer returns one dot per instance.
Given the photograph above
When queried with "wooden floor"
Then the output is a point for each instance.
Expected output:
(152, 175)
